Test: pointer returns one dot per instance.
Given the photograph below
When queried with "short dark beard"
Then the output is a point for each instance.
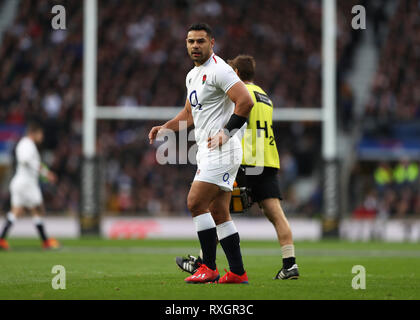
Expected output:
(201, 61)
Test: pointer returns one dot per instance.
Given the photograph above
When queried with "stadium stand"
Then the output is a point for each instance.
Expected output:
(142, 61)
(391, 122)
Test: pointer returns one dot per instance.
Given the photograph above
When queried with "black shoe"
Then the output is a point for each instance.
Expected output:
(188, 264)
(292, 273)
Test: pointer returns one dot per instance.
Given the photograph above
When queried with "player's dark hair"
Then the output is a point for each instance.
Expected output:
(245, 65)
(34, 125)
(200, 27)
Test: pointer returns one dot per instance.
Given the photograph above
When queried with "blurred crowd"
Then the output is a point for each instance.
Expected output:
(142, 57)
(142, 60)
(392, 191)
(395, 94)
(41, 74)
(392, 117)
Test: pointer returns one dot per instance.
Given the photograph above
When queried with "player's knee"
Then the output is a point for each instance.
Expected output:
(195, 206)
(17, 212)
(38, 211)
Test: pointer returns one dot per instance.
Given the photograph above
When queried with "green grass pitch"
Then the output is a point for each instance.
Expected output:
(145, 269)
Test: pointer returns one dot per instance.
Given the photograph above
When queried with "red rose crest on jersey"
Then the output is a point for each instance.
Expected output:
(204, 79)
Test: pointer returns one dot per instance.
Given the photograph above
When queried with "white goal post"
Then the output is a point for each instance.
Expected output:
(326, 115)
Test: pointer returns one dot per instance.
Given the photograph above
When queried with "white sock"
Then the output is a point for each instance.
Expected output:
(288, 251)
(37, 220)
(11, 217)
(225, 230)
(204, 222)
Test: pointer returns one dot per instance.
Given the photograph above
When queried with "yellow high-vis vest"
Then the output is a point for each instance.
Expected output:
(258, 144)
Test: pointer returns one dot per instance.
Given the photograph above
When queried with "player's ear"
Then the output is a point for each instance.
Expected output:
(212, 42)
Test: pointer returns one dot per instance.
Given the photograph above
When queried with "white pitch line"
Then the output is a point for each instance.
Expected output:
(245, 251)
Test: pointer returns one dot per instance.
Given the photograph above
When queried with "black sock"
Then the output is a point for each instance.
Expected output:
(289, 262)
(231, 247)
(41, 231)
(208, 241)
(6, 228)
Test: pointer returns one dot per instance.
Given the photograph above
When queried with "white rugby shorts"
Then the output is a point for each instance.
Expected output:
(25, 194)
(219, 167)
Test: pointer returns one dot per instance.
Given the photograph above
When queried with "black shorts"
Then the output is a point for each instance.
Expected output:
(263, 186)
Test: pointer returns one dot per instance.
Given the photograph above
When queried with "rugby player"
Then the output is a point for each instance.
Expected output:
(264, 188)
(25, 191)
(218, 105)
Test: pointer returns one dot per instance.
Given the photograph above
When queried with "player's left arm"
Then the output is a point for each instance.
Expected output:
(240, 96)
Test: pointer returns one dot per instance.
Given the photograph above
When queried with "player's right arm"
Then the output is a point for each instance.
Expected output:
(174, 124)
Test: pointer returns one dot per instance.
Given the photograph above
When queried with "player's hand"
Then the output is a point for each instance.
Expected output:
(218, 140)
(153, 133)
(51, 177)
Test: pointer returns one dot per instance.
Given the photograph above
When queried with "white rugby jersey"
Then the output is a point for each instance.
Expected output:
(28, 161)
(211, 107)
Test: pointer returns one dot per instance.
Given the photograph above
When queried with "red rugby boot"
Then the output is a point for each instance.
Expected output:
(231, 277)
(203, 275)
(4, 245)
(50, 244)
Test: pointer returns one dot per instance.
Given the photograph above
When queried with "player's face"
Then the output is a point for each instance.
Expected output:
(199, 46)
(39, 136)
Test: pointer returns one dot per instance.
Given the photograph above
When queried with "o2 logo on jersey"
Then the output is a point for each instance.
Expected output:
(194, 101)
(226, 177)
